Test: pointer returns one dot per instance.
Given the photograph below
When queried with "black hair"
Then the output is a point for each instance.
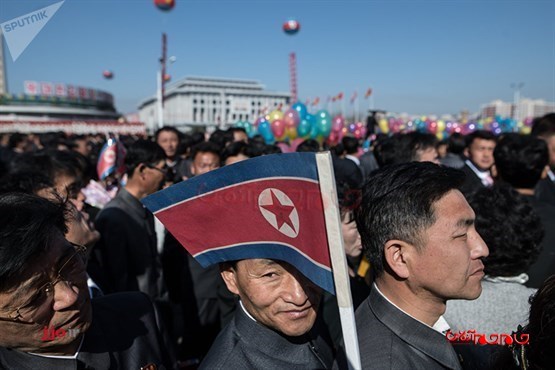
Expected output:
(221, 138)
(27, 224)
(29, 182)
(510, 227)
(143, 151)
(15, 139)
(167, 129)
(205, 147)
(520, 159)
(417, 142)
(544, 126)
(388, 150)
(398, 203)
(236, 148)
(52, 163)
(541, 326)
(456, 143)
(350, 144)
(309, 145)
(479, 134)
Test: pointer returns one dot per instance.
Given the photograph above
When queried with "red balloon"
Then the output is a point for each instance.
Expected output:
(107, 74)
(165, 5)
(291, 27)
(167, 77)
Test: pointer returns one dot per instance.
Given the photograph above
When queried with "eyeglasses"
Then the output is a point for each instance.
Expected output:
(40, 303)
(163, 171)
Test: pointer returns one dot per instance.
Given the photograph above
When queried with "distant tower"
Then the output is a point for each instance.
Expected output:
(3, 77)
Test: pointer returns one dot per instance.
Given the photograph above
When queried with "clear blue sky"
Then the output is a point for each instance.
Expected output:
(420, 57)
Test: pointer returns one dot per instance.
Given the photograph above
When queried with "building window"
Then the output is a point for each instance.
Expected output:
(227, 102)
(202, 101)
(233, 116)
(214, 102)
(194, 101)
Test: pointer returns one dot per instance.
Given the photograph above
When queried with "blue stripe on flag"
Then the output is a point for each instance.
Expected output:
(301, 165)
(317, 274)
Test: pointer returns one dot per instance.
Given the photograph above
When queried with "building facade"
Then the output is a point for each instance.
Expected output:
(210, 102)
(525, 108)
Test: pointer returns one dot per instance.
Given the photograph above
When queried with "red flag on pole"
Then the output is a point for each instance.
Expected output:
(340, 96)
(316, 101)
(368, 93)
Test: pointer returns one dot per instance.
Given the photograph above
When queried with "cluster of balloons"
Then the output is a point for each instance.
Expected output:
(294, 123)
(442, 129)
(340, 128)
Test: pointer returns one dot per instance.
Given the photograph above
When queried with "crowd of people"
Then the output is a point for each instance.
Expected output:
(439, 237)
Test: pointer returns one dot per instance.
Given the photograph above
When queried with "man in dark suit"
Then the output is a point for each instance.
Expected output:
(46, 317)
(479, 153)
(521, 161)
(273, 327)
(544, 128)
(127, 251)
(418, 232)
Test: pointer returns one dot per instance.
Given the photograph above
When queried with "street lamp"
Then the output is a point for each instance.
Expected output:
(516, 98)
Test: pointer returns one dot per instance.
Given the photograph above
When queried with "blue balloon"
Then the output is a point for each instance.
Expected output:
(265, 130)
(324, 123)
(301, 108)
(304, 128)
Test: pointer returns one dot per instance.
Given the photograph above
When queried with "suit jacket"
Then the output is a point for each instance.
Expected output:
(472, 182)
(245, 344)
(545, 191)
(123, 335)
(127, 250)
(390, 339)
(544, 266)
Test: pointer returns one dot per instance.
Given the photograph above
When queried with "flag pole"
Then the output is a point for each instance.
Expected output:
(338, 258)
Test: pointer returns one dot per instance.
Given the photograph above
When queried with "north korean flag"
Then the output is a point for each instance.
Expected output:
(264, 207)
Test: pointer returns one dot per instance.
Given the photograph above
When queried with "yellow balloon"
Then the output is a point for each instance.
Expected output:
(440, 126)
(439, 135)
(525, 130)
(383, 126)
(277, 114)
(291, 133)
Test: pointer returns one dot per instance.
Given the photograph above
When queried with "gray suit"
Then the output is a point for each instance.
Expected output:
(245, 344)
(390, 339)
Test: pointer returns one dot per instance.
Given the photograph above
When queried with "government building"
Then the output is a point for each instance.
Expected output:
(209, 102)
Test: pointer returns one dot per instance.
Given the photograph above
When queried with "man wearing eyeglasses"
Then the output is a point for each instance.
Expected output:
(127, 248)
(43, 285)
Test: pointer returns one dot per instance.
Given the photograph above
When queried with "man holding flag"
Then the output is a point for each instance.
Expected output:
(278, 229)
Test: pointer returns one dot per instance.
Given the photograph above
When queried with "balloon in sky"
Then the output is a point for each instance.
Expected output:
(165, 5)
(167, 77)
(108, 74)
(291, 27)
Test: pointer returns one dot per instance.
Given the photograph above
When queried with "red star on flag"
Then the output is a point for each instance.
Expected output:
(281, 211)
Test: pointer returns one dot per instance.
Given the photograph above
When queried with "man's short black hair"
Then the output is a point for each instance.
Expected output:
(27, 224)
(544, 126)
(167, 129)
(456, 143)
(397, 203)
(309, 145)
(419, 141)
(479, 134)
(520, 159)
(350, 144)
(143, 151)
(236, 148)
(205, 147)
(29, 182)
(510, 227)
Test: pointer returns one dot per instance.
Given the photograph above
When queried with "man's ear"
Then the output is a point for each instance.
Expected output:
(544, 172)
(229, 274)
(466, 153)
(395, 253)
(493, 171)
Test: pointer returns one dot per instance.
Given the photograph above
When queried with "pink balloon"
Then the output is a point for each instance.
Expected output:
(291, 118)
(338, 123)
(278, 128)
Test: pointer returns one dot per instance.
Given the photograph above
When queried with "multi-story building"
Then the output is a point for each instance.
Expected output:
(525, 108)
(209, 102)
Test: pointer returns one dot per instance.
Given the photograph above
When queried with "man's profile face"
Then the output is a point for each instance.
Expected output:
(550, 141)
(205, 162)
(480, 152)
(449, 265)
(275, 294)
(67, 307)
